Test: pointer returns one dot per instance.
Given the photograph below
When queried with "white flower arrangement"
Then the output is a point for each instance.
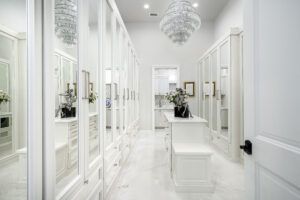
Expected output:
(4, 97)
(178, 97)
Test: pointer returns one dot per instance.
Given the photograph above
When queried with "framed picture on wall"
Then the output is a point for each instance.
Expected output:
(190, 88)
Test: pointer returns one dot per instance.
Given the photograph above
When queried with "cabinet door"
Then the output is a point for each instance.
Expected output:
(117, 80)
(63, 100)
(13, 104)
(207, 92)
(92, 103)
(214, 86)
(108, 137)
(224, 88)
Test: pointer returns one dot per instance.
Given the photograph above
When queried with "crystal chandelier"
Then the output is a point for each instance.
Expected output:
(66, 21)
(180, 21)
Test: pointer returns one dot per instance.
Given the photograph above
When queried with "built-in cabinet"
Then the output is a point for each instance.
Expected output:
(220, 92)
(69, 109)
(121, 93)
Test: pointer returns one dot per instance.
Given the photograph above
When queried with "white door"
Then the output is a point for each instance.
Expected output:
(272, 99)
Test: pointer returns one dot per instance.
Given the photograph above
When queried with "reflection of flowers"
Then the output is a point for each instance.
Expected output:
(4, 98)
(70, 98)
(93, 97)
(178, 97)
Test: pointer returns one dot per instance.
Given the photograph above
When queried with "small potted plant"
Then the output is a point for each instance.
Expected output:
(179, 99)
(93, 97)
(67, 109)
(4, 97)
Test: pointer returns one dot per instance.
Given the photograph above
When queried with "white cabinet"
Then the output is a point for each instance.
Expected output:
(122, 99)
(220, 92)
(6, 138)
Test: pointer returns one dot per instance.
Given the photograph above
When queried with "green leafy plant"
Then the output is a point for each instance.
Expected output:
(93, 97)
(4, 97)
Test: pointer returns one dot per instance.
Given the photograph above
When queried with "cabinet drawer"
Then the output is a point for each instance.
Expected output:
(73, 143)
(73, 156)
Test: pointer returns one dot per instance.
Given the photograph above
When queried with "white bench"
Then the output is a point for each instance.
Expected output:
(191, 167)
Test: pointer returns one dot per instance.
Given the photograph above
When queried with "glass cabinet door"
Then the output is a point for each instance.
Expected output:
(13, 100)
(123, 80)
(224, 87)
(116, 78)
(214, 82)
(206, 88)
(66, 100)
(93, 87)
(108, 74)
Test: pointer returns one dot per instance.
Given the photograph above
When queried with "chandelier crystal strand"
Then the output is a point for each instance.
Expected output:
(180, 21)
(66, 21)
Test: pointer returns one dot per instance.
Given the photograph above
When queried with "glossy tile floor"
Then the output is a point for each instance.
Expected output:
(145, 176)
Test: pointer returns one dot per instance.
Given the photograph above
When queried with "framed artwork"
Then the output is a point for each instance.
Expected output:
(190, 88)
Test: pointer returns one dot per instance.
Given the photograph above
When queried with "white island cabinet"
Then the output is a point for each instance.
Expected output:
(189, 154)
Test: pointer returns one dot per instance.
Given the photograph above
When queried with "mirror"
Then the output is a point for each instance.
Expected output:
(108, 75)
(207, 94)
(214, 67)
(65, 102)
(93, 69)
(224, 88)
(13, 99)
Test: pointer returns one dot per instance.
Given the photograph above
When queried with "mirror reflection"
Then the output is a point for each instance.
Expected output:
(13, 99)
(65, 61)
(108, 75)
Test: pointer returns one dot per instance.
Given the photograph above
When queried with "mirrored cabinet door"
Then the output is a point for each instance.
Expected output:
(224, 87)
(117, 79)
(207, 89)
(13, 99)
(214, 85)
(66, 99)
(108, 74)
(93, 67)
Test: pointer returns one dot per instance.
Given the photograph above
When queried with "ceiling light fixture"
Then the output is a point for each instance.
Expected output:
(146, 6)
(195, 5)
(66, 21)
(180, 21)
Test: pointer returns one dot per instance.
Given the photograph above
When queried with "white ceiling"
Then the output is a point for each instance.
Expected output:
(133, 11)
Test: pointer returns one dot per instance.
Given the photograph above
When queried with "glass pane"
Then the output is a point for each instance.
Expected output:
(224, 87)
(117, 58)
(123, 78)
(207, 92)
(13, 100)
(214, 65)
(201, 114)
(108, 75)
(65, 61)
(93, 67)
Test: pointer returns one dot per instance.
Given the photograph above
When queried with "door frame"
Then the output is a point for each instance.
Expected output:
(154, 67)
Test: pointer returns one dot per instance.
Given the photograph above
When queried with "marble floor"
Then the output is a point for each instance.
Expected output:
(145, 176)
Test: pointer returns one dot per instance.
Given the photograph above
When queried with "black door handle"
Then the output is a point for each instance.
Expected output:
(247, 147)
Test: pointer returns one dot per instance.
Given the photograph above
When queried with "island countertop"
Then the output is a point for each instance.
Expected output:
(171, 119)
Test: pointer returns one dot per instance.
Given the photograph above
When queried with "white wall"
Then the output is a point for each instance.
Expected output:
(154, 48)
(231, 16)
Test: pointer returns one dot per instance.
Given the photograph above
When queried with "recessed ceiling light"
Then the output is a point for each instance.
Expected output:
(146, 6)
(195, 5)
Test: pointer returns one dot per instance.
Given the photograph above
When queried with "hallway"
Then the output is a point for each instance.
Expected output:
(145, 176)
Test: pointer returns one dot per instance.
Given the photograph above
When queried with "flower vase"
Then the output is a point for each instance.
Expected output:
(182, 111)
